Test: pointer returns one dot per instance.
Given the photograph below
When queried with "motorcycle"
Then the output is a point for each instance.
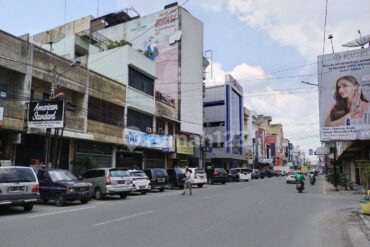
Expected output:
(300, 187)
(312, 180)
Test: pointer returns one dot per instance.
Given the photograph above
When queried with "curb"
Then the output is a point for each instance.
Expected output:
(365, 223)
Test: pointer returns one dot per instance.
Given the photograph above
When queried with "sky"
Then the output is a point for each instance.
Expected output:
(269, 46)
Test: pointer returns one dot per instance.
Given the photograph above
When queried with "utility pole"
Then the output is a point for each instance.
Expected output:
(48, 130)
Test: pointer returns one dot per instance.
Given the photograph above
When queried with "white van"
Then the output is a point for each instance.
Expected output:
(198, 176)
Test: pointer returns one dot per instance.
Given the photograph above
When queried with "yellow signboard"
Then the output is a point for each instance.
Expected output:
(183, 148)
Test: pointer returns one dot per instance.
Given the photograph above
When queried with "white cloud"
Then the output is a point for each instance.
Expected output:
(300, 24)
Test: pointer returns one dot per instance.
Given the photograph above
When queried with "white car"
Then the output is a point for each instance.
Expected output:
(240, 174)
(198, 176)
(290, 177)
(140, 181)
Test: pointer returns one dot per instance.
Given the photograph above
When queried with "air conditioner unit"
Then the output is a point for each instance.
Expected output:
(148, 130)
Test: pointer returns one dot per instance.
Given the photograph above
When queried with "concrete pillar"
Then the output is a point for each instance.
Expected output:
(114, 151)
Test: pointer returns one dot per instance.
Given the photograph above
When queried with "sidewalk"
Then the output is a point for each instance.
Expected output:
(363, 221)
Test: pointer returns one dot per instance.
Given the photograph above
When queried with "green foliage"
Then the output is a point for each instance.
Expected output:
(120, 43)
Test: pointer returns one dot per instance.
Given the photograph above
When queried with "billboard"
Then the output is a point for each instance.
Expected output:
(134, 138)
(344, 94)
(46, 114)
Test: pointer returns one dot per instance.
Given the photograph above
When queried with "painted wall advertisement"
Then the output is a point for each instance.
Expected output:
(134, 138)
(344, 94)
(46, 114)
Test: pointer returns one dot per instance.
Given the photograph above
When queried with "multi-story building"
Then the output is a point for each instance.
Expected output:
(32, 74)
(162, 65)
(224, 124)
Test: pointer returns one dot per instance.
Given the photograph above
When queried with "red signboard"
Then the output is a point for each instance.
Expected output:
(270, 139)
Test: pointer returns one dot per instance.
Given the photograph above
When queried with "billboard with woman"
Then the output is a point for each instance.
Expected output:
(344, 94)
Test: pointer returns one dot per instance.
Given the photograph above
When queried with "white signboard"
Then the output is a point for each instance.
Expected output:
(344, 94)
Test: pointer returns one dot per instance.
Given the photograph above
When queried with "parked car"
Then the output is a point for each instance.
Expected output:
(198, 176)
(239, 174)
(108, 181)
(290, 177)
(176, 177)
(61, 186)
(268, 173)
(255, 174)
(158, 178)
(262, 174)
(19, 186)
(140, 181)
(216, 175)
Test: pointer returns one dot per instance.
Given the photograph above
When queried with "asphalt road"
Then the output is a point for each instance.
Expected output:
(258, 213)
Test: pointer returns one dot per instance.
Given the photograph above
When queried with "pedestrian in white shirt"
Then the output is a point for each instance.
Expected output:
(187, 184)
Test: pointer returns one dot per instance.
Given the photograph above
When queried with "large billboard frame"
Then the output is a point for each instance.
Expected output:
(344, 95)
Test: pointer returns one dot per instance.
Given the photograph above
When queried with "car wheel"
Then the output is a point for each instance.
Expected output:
(143, 192)
(59, 199)
(124, 195)
(200, 185)
(98, 194)
(84, 201)
(161, 189)
(28, 207)
(223, 182)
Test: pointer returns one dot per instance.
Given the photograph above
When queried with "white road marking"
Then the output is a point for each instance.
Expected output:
(60, 212)
(211, 228)
(260, 201)
(123, 218)
(212, 196)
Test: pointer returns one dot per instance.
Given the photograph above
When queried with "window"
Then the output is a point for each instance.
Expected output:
(140, 81)
(170, 128)
(45, 96)
(160, 126)
(139, 120)
(105, 112)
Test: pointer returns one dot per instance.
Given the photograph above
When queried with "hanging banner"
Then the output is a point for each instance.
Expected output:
(344, 94)
(46, 114)
(1, 116)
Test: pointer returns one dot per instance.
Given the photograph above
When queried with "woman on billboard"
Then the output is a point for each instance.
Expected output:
(350, 103)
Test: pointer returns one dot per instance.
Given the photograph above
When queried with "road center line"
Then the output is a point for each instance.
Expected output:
(60, 212)
(211, 228)
(123, 218)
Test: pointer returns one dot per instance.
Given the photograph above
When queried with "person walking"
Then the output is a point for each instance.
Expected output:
(187, 184)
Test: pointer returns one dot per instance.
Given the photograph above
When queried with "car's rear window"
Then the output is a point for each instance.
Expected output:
(159, 172)
(292, 173)
(220, 169)
(138, 174)
(118, 173)
(199, 171)
(61, 175)
(245, 170)
(16, 175)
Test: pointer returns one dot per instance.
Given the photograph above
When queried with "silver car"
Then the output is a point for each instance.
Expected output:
(108, 181)
(140, 180)
(18, 187)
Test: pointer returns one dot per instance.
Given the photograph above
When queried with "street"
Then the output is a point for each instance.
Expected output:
(263, 212)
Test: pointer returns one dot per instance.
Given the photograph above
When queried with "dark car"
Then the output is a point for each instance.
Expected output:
(176, 177)
(234, 175)
(255, 174)
(61, 186)
(158, 178)
(216, 175)
(262, 174)
(268, 173)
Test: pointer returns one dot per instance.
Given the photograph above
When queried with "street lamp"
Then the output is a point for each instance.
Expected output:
(56, 76)
(331, 40)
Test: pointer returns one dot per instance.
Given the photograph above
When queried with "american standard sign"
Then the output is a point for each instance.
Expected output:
(46, 114)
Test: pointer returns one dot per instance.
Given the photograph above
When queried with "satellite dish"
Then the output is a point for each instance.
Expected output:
(358, 42)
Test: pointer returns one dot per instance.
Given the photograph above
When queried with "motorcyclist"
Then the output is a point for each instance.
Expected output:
(312, 177)
(299, 178)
